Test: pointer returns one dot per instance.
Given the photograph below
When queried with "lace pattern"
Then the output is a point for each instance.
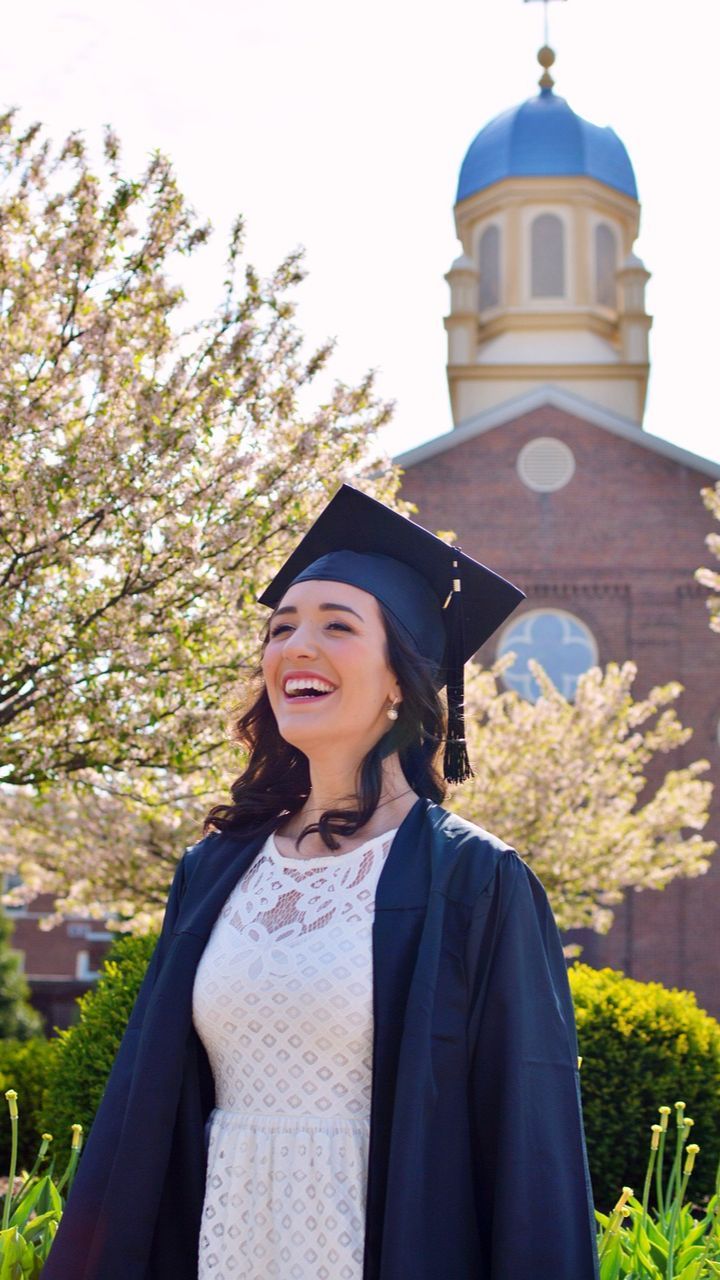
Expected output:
(283, 1004)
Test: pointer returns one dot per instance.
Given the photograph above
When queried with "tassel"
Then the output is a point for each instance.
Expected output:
(456, 765)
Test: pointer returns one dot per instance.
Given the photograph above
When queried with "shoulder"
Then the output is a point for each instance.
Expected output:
(210, 853)
(475, 860)
(194, 853)
(463, 833)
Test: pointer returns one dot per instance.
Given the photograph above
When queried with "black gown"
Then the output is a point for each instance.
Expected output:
(476, 1167)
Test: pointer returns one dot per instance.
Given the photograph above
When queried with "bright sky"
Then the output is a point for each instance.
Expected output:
(342, 126)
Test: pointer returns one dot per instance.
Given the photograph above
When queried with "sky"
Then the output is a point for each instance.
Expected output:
(342, 127)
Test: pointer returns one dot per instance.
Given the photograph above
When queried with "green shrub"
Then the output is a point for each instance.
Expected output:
(84, 1053)
(641, 1042)
(24, 1066)
(18, 1019)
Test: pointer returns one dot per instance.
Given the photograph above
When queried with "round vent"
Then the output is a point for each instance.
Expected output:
(545, 464)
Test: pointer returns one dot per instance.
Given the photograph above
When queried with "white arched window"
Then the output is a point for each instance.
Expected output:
(563, 645)
(547, 256)
(489, 267)
(605, 266)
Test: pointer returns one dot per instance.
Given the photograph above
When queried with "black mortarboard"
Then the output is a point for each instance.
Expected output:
(446, 603)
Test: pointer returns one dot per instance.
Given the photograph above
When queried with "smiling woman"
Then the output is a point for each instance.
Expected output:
(354, 1055)
(306, 748)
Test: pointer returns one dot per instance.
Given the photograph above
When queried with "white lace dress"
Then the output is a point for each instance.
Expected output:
(282, 1002)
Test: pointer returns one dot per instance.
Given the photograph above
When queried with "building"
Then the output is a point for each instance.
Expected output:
(549, 476)
(59, 964)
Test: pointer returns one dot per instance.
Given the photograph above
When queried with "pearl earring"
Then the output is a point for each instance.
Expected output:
(392, 712)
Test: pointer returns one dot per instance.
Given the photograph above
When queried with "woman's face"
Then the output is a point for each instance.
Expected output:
(326, 670)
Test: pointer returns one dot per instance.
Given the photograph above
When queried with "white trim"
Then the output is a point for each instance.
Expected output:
(569, 402)
(83, 972)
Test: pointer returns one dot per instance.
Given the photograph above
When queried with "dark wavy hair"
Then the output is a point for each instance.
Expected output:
(276, 781)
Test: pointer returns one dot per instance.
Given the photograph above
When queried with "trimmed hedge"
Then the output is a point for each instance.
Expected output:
(643, 1046)
(84, 1053)
(24, 1066)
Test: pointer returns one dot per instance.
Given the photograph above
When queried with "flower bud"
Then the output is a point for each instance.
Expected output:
(11, 1098)
(664, 1114)
(46, 1137)
(626, 1193)
(656, 1130)
(690, 1155)
(77, 1132)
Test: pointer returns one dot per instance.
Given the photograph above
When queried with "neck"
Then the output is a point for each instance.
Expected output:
(335, 787)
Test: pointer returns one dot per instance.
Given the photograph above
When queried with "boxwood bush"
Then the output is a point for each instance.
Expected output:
(643, 1046)
(84, 1053)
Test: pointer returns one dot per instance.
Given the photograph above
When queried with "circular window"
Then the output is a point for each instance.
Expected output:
(560, 642)
(545, 464)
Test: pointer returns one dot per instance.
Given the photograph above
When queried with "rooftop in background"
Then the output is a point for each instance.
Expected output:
(544, 137)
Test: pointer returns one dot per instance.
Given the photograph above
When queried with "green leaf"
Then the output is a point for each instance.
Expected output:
(690, 1272)
(610, 1264)
(18, 1261)
(39, 1225)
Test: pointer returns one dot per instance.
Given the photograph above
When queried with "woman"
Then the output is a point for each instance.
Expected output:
(353, 1056)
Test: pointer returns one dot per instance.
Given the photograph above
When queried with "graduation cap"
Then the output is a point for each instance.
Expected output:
(446, 603)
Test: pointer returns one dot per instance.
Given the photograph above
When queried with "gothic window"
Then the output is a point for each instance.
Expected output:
(547, 256)
(489, 267)
(562, 644)
(605, 266)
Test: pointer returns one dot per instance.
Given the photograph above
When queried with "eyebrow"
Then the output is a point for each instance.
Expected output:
(324, 608)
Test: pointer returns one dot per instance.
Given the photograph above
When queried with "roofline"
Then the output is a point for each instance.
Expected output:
(569, 403)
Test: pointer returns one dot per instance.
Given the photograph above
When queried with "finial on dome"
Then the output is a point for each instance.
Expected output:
(546, 58)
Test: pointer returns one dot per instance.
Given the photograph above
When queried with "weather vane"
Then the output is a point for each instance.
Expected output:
(546, 56)
(545, 4)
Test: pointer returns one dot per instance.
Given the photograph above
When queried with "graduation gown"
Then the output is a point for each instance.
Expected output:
(476, 1166)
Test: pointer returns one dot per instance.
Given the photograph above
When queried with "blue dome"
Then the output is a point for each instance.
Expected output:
(545, 138)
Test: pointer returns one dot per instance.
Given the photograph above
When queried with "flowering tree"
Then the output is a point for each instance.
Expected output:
(560, 781)
(153, 475)
(151, 479)
(711, 577)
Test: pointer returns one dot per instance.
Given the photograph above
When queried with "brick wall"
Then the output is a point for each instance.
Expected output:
(617, 547)
(60, 964)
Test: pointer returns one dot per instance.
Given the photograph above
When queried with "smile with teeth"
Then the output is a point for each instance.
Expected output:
(307, 687)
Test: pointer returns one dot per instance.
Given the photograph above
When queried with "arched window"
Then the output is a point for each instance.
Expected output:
(605, 266)
(547, 256)
(563, 645)
(490, 267)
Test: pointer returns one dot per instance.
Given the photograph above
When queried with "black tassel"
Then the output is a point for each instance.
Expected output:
(456, 765)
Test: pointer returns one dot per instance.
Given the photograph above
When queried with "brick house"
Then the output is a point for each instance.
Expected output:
(60, 964)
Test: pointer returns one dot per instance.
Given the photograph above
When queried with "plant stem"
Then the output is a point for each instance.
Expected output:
(674, 1179)
(643, 1218)
(673, 1223)
(13, 1167)
(658, 1176)
(30, 1177)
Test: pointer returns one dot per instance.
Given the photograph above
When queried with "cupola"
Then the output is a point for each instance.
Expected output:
(547, 288)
